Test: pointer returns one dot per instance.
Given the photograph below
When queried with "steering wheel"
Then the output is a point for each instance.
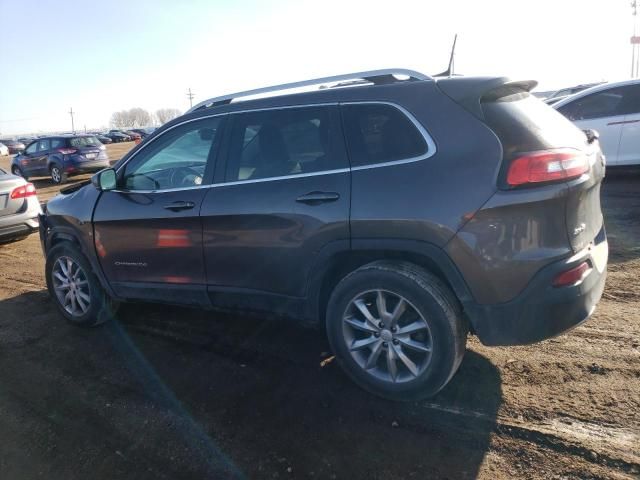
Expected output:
(190, 177)
(156, 185)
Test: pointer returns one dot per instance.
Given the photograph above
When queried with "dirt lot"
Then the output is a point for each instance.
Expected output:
(172, 393)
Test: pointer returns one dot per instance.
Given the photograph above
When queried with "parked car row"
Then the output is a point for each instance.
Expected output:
(60, 156)
(12, 146)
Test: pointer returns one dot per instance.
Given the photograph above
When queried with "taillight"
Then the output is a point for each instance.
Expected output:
(547, 166)
(572, 276)
(23, 191)
(67, 151)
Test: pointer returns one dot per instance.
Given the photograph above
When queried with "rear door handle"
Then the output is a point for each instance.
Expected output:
(315, 198)
(180, 205)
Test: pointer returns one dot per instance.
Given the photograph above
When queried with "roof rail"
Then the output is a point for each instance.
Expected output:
(377, 77)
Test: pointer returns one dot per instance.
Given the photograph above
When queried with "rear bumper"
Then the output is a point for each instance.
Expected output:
(87, 167)
(542, 311)
(18, 228)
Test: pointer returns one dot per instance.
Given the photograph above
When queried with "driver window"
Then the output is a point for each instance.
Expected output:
(176, 159)
(31, 149)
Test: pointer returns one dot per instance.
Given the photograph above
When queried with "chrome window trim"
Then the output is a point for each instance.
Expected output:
(431, 147)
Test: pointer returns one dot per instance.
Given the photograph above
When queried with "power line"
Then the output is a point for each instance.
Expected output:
(190, 96)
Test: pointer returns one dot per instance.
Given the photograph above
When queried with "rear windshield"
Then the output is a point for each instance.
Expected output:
(80, 142)
(523, 123)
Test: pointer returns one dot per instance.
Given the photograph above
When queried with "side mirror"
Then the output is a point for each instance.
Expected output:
(105, 179)
(592, 135)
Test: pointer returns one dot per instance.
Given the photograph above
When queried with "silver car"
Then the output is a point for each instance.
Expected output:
(19, 207)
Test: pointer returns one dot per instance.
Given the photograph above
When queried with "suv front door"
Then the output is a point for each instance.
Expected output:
(629, 151)
(148, 233)
(282, 198)
(603, 111)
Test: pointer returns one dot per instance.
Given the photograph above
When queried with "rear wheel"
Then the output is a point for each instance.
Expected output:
(57, 175)
(74, 288)
(396, 330)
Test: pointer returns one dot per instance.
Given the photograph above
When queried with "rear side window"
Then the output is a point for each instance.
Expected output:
(378, 133)
(80, 142)
(57, 143)
(606, 103)
(523, 123)
(277, 143)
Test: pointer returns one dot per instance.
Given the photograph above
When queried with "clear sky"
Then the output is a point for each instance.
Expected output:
(99, 57)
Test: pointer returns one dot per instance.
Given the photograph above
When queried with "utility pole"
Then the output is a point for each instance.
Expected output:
(190, 96)
(73, 128)
(634, 45)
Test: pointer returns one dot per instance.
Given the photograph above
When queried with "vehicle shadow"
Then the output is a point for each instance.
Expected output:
(168, 392)
(272, 389)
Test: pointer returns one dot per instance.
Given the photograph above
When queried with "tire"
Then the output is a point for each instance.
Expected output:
(57, 175)
(17, 171)
(429, 330)
(99, 306)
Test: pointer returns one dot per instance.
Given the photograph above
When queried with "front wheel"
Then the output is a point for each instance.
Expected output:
(16, 171)
(74, 288)
(396, 330)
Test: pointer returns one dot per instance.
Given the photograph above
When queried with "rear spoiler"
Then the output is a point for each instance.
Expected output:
(470, 91)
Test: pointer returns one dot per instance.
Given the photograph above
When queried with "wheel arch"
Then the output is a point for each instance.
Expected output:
(58, 236)
(332, 268)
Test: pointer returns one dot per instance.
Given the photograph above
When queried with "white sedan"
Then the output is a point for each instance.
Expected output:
(613, 110)
(4, 150)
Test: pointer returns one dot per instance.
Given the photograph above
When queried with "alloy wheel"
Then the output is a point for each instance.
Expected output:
(387, 336)
(71, 286)
(55, 174)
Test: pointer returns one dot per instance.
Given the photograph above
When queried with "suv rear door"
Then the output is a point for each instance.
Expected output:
(282, 198)
(148, 233)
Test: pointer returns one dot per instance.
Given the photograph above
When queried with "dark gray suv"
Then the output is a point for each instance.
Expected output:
(398, 211)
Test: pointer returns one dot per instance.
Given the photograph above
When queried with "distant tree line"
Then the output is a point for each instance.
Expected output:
(139, 117)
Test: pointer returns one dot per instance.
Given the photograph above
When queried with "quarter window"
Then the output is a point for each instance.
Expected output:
(378, 133)
(57, 143)
(276, 143)
(176, 159)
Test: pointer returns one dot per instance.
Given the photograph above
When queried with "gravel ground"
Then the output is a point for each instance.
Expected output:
(172, 393)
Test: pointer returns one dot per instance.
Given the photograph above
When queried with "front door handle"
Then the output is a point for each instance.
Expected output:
(315, 198)
(180, 205)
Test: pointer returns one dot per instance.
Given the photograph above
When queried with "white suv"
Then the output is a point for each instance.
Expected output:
(613, 110)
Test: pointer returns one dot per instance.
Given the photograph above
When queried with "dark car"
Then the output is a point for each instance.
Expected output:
(116, 136)
(144, 132)
(134, 135)
(26, 140)
(61, 157)
(399, 215)
(14, 146)
(104, 140)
